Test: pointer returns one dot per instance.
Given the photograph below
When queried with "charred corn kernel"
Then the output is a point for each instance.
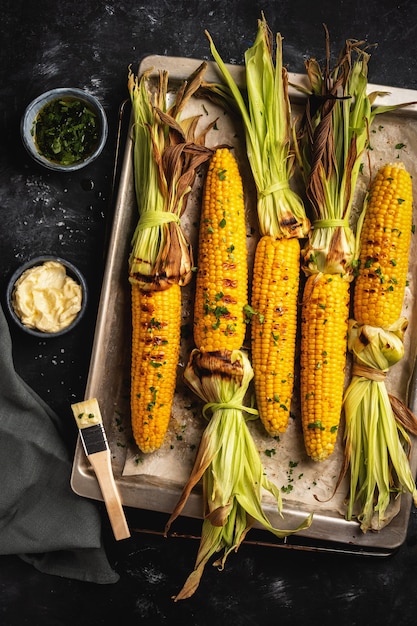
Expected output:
(324, 324)
(384, 248)
(156, 327)
(274, 306)
(221, 285)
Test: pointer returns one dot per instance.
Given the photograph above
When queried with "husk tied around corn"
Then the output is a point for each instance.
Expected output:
(331, 142)
(219, 372)
(166, 153)
(265, 110)
(227, 462)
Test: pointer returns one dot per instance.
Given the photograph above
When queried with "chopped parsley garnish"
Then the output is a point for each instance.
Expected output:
(66, 131)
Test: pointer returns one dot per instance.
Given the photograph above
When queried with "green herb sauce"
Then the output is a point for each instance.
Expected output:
(66, 131)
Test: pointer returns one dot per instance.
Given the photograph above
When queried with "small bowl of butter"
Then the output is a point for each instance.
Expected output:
(47, 296)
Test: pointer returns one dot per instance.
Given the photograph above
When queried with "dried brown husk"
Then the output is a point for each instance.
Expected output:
(331, 141)
(167, 152)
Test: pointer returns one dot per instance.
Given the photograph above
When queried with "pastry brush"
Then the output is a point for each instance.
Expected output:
(93, 438)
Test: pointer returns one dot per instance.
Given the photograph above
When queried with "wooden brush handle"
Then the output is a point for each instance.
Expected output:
(101, 464)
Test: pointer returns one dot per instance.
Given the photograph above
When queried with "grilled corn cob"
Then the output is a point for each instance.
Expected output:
(376, 432)
(331, 144)
(222, 276)
(282, 222)
(324, 324)
(165, 159)
(384, 249)
(274, 304)
(227, 461)
(156, 330)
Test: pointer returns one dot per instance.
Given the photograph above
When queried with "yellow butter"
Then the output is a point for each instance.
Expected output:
(85, 420)
(45, 298)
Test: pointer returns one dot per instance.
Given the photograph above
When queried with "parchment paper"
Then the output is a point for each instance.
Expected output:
(304, 482)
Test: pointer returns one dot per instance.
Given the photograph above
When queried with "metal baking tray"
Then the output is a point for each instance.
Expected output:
(154, 482)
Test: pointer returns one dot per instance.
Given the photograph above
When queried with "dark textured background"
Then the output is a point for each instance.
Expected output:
(90, 44)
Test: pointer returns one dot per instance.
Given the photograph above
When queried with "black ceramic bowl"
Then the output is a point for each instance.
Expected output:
(34, 110)
(71, 271)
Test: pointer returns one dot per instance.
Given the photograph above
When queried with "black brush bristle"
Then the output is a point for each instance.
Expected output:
(94, 439)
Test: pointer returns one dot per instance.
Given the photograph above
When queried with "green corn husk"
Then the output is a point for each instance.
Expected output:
(227, 461)
(377, 443)
(265, 111)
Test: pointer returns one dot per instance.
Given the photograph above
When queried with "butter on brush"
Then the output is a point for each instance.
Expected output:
(93, 437)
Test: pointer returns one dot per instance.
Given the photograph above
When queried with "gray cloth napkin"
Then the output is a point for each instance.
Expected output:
(41, 519)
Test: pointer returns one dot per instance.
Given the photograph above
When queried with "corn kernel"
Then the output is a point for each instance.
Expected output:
(221, 285)
(324, 324)
(274, 327)
(156, 328)
(384, 247)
